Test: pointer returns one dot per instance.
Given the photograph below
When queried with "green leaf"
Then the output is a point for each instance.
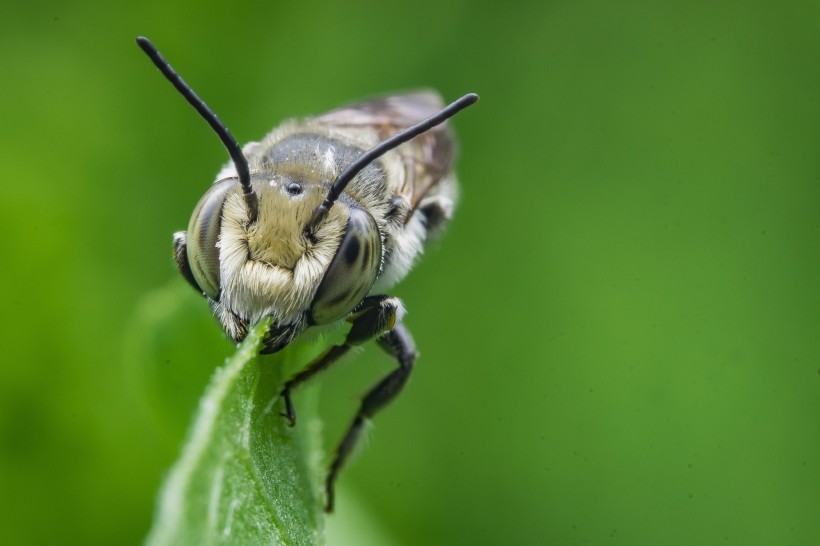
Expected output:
(244, 476)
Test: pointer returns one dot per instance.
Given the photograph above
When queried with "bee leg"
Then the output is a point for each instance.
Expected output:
(181, 259)
(329, 357)
(372, 318)
(398, 343)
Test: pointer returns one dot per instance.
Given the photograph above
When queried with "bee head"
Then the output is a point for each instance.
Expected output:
(272, 264)
(279, 247)
(286, 263)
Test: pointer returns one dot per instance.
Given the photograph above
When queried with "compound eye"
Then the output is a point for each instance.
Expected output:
(352, 271)
(203, 235)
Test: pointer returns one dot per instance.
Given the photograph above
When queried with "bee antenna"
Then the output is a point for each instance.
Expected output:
(221, 130)
(382, 148)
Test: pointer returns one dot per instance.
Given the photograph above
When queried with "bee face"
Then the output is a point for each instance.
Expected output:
(275, 267)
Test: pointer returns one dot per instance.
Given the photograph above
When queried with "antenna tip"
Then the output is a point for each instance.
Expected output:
(471, 98)
(145, 44)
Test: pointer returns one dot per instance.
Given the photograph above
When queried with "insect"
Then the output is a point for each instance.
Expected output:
(314, 223)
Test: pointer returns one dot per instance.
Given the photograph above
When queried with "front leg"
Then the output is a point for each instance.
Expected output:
(372, 318)
(398, 344)
(181, 259)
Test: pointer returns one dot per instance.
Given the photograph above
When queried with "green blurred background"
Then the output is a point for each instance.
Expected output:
(619, 333)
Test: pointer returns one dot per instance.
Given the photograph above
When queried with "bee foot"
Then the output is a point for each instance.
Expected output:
(290, 412)
(291, 419)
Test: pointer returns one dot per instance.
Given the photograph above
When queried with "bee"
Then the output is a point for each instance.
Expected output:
(312, 225)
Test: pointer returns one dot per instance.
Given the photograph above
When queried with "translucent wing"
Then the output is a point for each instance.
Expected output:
(427, 158)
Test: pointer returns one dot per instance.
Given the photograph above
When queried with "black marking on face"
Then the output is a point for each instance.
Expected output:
(352, 250)
(279, 336)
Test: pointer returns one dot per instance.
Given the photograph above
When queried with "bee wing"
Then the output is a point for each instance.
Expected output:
(427, 158)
